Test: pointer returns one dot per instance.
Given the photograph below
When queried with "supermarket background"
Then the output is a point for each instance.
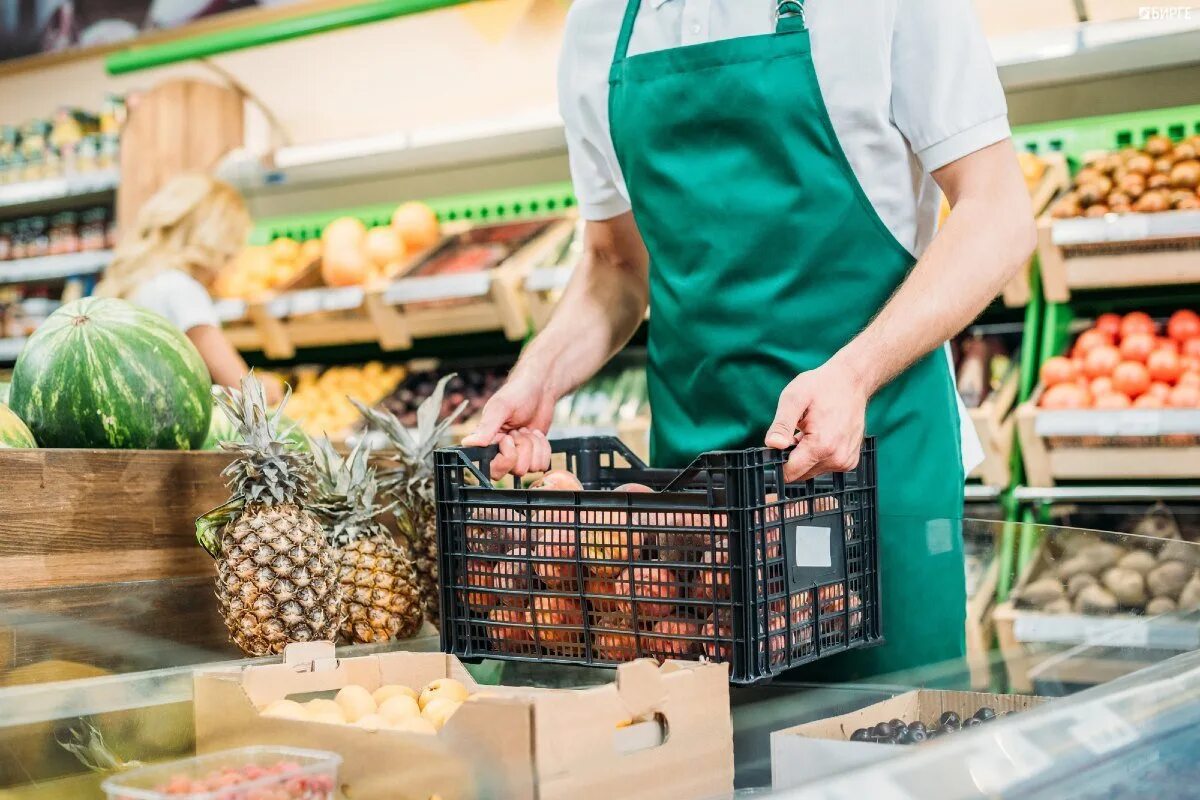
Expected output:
(453, 104)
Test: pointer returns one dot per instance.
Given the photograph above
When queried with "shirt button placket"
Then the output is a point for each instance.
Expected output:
(695, 21)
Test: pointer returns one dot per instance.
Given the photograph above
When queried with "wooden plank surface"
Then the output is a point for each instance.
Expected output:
(96, 516)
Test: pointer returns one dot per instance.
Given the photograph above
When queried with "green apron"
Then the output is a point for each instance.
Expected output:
(766, 258)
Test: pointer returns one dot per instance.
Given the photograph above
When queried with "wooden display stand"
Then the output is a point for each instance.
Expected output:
(1106, 452)
(71, 517)
(994, 422)
(981, 628)
(1056, 179)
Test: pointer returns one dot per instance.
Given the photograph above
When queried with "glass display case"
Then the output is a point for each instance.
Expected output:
(94, 679)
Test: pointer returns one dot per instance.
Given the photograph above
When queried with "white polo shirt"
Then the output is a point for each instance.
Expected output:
(910, 86)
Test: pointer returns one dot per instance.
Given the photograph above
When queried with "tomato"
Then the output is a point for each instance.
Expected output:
(1058, 369)
(1189, 363)
(1064, 396)
(1149, 401)
(1109, 323)
(1101, 385)
(1089, 340)
(1112, 401)
(1137, 322)
(1164, 366)
(1159, 389)
(1190, 378)
(1131, 378)
(1190, 347)
(1163, 343)
(1184, 397)
(1183, 325)
(1138, 346)
(1101, 361)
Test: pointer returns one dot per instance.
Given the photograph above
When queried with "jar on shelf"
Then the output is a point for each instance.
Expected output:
(20, 239)
(93, 230)
(6, 240)
(108, 151)
(35, 166)
(64, 234)
(38, 244)
(87, 154)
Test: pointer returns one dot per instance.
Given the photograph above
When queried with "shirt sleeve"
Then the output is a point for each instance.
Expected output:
(583, 105)
(180, 298)
(946, 95)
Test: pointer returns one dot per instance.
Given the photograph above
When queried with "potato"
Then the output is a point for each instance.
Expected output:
(1077, 582)
(1189, 598)
(1178, 550)
(1095, 600)
(1127, 585)
(1075, 566)
(1140, 561)
(1168, 579)
(1060, 606)
(1160, 605)
(1041, 592)
(1158, 523)
(1101, 556)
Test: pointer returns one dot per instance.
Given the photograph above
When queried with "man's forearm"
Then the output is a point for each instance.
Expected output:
(985, 240)
(600, 310)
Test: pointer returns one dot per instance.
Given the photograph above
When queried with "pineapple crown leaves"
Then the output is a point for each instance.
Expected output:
(269, 470)
(414, 451)
(346, 492)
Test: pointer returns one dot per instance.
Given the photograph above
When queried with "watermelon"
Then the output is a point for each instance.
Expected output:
(13, 432)
(3, 391)
(103, 373)
(222, 430)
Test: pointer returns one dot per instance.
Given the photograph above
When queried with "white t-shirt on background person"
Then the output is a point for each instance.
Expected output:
(910, 86)
(179, 297)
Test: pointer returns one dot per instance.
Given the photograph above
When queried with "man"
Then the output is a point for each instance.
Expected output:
(765, 174)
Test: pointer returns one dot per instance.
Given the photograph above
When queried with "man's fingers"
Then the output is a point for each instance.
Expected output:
(524, 444)
(491, 421)
(542, 452)
(506, 459)
(803, 460)
(793, 402)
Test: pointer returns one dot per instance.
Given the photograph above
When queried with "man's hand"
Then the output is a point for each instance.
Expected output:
(516, 418)
(828, 406)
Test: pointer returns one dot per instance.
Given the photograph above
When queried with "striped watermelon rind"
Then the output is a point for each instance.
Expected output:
(13, 432)
(103, 373)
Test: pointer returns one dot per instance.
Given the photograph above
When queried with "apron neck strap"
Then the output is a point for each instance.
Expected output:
(789, 16)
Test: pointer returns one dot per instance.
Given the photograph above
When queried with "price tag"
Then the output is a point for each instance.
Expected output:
(343, 299)
(1101, 730)
(279, 307)
(301, 303)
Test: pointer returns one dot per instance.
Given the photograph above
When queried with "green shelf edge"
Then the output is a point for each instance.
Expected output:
(504, 205)
(1076, 137)
(140, 57)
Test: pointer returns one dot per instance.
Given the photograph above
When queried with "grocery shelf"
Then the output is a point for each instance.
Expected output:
(11, 347)
(49, 268)
(1102, 494)
(528, 134)
(1095, 49)
(16, 198)
(979, 493)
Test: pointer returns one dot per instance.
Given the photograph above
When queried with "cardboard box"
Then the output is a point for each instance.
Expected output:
(805, 753)
(511, 742)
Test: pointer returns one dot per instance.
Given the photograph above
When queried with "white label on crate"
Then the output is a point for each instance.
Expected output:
(302, 303)
(1116, 633)
(343, 299)
(1101, 730)
(812, 546)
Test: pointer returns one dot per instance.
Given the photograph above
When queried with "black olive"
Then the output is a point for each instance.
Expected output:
(948, 718)
(890, 740)
(933, 734)
(861, 735)
(898, 723)
(918, 726)
(916, 736)
(972, 722)
(883, 730)
(984, 714)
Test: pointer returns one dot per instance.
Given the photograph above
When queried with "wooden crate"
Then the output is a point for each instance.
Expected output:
(994, 422)
(1134, 444)
(71, 517)
(1056, 179)
(1118, 251)
(981, 628)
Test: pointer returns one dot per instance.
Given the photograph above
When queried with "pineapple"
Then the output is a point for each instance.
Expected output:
(276, 573)
(411, 484)
(380, 596)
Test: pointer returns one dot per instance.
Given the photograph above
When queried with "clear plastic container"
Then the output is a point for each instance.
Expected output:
(267, 773)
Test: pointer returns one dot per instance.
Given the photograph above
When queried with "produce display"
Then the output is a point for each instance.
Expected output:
(104, 373)
(411, 486)
(72, 142)
(277, 576)
(250, 773)
(981, 364)
(472, 385)
(897, 731)
(319, 402)
(1127, 362)
(380, 598)
(1162, 176)
(1151, 576)
(480, 248)
(13, 432)
(391, 707)
(58, 234)
(259, 269)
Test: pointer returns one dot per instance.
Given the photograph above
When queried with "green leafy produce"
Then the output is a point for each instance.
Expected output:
(103, 373)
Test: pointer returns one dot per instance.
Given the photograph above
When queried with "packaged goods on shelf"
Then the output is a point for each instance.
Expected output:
(1124, 402)
(584, 576)
(57, 234)
(1131, 218)
(987, 379)
(72, 142)
(605, 741)
(815, 750)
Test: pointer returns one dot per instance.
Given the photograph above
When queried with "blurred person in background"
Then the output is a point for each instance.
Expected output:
(168, 260)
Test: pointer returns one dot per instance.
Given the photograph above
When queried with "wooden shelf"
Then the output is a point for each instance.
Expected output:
(1056, 179)
(994, 422)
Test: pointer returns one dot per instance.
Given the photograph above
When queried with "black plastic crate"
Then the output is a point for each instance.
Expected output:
(712, 563)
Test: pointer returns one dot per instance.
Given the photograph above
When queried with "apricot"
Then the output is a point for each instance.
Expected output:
(662, 645)
(717, 634)
(557, 574)
(513, 637)
(479, 574)
(712, 576)
(511, 577)
(608, 552)
(652, 592)
(552, 616)
(557, 480)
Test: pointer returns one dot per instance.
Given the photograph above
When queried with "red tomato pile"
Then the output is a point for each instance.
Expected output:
(1124, 362)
